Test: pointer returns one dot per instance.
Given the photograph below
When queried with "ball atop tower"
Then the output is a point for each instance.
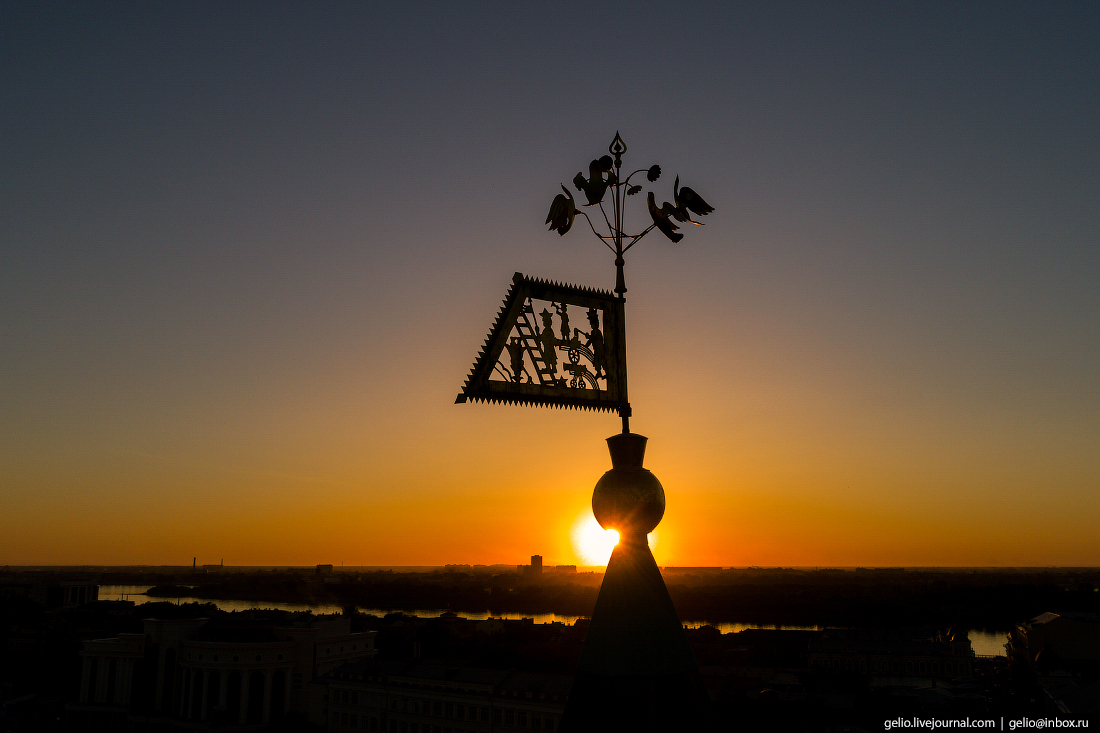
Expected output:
(628, 498)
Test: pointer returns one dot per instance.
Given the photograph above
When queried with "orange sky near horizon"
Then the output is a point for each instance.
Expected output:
(779, 466)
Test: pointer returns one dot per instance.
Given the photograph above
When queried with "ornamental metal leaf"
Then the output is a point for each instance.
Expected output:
(553, 344)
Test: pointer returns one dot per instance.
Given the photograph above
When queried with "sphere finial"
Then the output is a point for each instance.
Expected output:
(628, 498)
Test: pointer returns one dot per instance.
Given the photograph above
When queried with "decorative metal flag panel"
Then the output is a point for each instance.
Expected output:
(556, 345)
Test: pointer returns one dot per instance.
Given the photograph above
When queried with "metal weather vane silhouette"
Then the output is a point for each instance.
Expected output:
(593, 361)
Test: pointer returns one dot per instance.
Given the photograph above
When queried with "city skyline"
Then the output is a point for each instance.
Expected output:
(249, 251)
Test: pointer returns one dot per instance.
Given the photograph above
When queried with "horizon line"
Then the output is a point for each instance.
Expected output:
(587, 568)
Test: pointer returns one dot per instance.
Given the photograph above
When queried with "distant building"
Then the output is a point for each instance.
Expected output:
(1061, 652)
(893, 652)
(428, 696)
(535, 568)
(324, 569)
(190, 674)
(561, 570)
(490, 627)
(691, 570)
(16, 590)
(65, 594)
(1070, 641)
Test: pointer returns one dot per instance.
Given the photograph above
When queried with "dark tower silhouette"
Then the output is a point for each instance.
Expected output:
(637, 670)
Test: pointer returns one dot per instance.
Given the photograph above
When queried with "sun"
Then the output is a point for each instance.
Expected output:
(592, 544)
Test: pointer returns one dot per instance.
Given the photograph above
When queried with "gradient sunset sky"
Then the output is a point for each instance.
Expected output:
(248, 253)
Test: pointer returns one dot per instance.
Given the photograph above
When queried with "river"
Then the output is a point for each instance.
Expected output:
(984, 641)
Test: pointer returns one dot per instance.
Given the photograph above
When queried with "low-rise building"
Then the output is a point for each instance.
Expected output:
(196, 675)
(65, 593)
(1069, 641)
(437, 697)
(1061, 653)
(893, 652)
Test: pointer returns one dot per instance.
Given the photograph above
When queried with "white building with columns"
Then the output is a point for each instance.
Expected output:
(195, 674)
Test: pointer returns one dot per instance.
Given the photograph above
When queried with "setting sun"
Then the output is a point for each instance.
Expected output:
(592, 544)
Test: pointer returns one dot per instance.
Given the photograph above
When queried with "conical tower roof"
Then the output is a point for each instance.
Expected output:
(637, 670)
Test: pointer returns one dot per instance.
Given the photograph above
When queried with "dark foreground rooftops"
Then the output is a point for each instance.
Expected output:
(443, 676)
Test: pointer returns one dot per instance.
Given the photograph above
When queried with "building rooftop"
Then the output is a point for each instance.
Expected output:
(432, 673)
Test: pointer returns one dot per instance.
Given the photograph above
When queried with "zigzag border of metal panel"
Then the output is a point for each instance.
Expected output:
(518, 281)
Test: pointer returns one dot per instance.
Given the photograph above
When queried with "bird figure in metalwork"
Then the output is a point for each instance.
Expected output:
(562, 212)
(688, 201)
(661, 218)
(595, 186)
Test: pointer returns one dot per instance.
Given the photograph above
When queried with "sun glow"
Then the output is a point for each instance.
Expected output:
(592, 544)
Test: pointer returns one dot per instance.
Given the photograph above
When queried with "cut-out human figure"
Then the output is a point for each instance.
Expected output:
(515, 353)
(563, 311)
(596, 343)
(548, 342)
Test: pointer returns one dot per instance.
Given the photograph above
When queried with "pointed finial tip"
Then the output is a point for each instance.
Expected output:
(618, 145)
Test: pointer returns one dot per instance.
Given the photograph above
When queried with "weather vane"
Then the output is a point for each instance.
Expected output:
(636, 670)
(540, 357)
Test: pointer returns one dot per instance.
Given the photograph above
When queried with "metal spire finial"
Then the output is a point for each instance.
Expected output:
(617, 146)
